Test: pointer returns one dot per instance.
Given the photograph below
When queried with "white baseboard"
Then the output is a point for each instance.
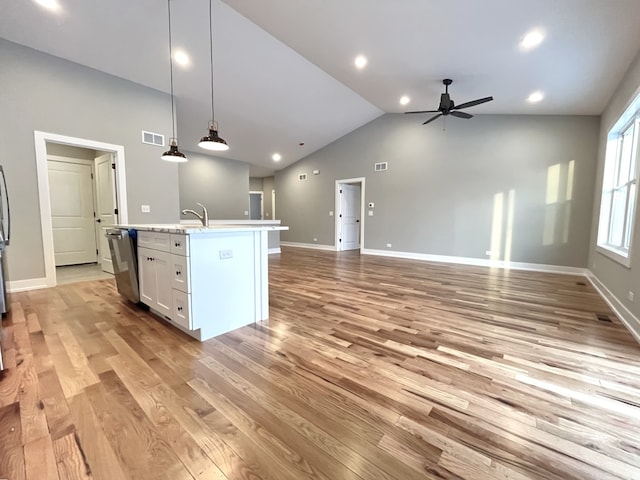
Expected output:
(274, 250)
(314, 246)
(627, 318)
(479, 262)
(24, 285)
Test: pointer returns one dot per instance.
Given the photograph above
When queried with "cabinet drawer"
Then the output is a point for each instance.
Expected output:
(182, 309)
(156, 240)
(180, 244)
(180, 273)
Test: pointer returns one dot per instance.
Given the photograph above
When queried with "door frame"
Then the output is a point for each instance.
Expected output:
(40, 140)
(255, 192)
(361, 181)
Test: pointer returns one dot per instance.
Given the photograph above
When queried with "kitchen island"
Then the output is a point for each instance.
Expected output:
(204, 280)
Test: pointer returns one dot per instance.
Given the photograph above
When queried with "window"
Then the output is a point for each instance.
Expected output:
(619, 186)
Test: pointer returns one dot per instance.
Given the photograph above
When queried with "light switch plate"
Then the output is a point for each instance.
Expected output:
(331, 213)
(371, 213)
(224, 254)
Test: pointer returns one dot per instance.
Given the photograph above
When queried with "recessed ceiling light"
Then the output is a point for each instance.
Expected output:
(404, 100)
(276, 157)
(535, 97)
(181, 58)
(532, 39)
(361, 62)
(49, 4)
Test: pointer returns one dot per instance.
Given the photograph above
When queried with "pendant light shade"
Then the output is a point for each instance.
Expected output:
(213, 140)
(173, 154)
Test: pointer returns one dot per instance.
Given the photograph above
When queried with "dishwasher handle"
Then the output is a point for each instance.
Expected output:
(115, 233)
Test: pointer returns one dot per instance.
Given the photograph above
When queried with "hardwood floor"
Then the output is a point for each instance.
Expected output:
(369, 368)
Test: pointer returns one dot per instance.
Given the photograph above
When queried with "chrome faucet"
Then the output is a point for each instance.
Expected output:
(204, 218)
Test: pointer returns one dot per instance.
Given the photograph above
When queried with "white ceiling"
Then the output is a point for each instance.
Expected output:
(284, 69)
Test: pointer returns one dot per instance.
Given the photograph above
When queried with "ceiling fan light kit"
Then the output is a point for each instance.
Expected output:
(448, 107)
(212, 141)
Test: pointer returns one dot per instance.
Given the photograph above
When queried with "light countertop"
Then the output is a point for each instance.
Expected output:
(196, 229)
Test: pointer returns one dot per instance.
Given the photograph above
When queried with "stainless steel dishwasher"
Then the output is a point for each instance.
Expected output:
(124, 256)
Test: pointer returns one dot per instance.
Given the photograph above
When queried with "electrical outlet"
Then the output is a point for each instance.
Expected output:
(246, 212)
(145, 208)
(630, 295)
(388, 245)
(331, 213)
(488, 252)
(315, 239)
(228, 253)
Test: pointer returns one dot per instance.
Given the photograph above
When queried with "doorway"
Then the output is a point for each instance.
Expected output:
(350, 214)
(256, 206)
(116, 168)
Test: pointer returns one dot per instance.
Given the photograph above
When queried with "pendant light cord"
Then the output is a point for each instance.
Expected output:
(211, 54)
(173, 118)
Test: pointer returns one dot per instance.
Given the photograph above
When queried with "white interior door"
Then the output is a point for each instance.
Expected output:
(105, 208)
(71, 196)
(349, 217)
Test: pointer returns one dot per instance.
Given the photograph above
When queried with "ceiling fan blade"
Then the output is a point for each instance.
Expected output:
(461, 114)
(473, 103)
(425, 111)
(432, 119)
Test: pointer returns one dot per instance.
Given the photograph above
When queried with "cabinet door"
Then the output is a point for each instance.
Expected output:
(147, 277)
(182, 309)
(164, 291)
(180, 273)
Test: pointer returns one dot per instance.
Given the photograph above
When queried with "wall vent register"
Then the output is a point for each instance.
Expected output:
(381, 166)
(151, 138)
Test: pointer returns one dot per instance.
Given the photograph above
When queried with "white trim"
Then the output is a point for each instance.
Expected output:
(628, 319)
(273, 204)
(614, 255)
(274, 250)
(479, 262)
(361, 181)
(40, 140)
(24, 285)
(313, 246)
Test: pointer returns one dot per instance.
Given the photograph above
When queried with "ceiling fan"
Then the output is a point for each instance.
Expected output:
(447, 107)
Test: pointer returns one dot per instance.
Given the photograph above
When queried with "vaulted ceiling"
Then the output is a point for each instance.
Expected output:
(284, 70)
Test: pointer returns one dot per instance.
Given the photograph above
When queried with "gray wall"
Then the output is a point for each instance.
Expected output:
(220, 184)
(268, 185)
(616, 277)
(438, 195)
(42, 92)
(255, 184)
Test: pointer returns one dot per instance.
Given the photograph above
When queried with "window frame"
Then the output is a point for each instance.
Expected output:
(611, 184)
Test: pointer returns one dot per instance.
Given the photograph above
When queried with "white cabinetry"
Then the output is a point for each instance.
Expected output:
(206, 282)
(155, 280)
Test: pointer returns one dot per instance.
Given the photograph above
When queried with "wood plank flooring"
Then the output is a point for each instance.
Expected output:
(368, 368)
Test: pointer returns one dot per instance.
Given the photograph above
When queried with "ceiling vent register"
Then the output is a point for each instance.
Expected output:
(151, 138)
(381, 167)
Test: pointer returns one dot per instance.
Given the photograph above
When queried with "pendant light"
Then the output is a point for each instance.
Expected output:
(173, 154)
(212, 141)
